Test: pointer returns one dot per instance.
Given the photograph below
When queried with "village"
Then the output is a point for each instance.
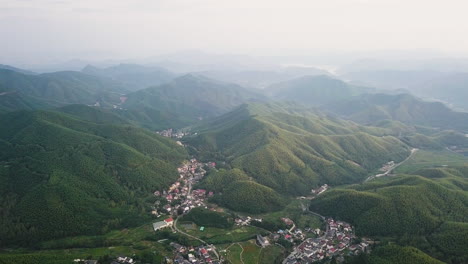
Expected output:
(310, 245)
(336, 241)
(179, 199)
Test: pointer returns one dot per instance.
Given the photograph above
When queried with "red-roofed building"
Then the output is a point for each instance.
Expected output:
(169, 221)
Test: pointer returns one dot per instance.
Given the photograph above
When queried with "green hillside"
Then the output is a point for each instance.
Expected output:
(397, 206)
(251, 197)
(190, 98)
(370, 109)
(314, 90)
(61, 88)
(291, 150)
(394, 254)
(62, 176)
(428, 211)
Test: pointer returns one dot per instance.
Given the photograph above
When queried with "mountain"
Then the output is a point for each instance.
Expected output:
(132, 76)
(392, 79)
(290, 149)
(450, 88)
(262, 79)
(430, 206)
(370, 109)
(314, 90)
(65, 174)
(11, 68)
(60, 88)
(190, 98)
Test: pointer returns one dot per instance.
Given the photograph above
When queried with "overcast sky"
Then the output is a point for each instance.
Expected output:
(42, 29)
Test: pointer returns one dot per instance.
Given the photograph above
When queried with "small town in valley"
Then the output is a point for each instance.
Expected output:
(336, 240)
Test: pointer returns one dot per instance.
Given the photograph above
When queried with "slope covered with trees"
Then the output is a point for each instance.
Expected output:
(190, 98)
(60, 88)
(370, 109)
(61, 175)
(429, 211)
(292, 150)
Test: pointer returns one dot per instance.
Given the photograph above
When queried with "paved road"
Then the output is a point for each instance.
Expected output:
(194, 237)
(414, 150)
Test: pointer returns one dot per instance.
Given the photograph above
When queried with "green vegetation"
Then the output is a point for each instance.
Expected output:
(373, 108)
(394, 254)
(432, 159)
(208, 218)
(291, 150)
(250, 197)
(58, 88)
(428, 211)
(62, 176)
(189, 98)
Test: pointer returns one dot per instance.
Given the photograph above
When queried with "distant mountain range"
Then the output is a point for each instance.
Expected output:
(133, 77)
(190, 98)
(370, 109)
(59, 88)
(448, 87)
(315, 90)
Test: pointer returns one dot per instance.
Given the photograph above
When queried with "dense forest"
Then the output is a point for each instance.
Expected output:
(63, 176)
(428, 211)
(290, 149)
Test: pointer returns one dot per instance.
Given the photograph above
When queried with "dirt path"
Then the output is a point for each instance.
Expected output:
(240, 255)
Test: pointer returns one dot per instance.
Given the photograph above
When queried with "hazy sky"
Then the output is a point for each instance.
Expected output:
(41, 29)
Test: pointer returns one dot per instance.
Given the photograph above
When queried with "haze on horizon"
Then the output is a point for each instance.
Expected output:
(56, 30)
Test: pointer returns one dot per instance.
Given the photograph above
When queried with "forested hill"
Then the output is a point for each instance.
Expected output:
(291, 150)
(190, 98)
(428, 210)
(61, 175)
(371, 109)
(59, 88)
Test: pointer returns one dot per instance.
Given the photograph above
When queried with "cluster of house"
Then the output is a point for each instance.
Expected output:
(194, 255)
(123, 260)
(244, 221)
(336, 241)
(172, 134)
(387, 166)
(179, 197)
(320, 190)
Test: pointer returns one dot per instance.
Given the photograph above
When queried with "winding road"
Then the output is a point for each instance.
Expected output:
(413, 151)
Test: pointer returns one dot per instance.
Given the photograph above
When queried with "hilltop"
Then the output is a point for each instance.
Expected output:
(134, 77)
(190, 98)
(314, 90)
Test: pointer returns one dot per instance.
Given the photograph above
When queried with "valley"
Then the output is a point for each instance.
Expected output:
(195, 170)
